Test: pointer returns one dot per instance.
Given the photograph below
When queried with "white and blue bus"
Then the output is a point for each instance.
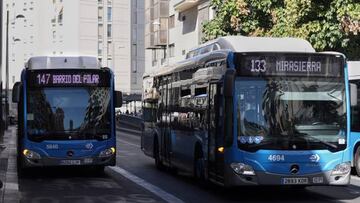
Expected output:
(66, 113)
(251, 111)
(354, 79)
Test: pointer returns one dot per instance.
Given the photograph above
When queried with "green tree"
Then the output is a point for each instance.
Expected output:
(326, 24)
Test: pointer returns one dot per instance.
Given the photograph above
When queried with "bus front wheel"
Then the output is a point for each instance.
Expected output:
(357, 161)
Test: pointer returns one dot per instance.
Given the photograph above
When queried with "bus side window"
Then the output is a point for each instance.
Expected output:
(355, 110)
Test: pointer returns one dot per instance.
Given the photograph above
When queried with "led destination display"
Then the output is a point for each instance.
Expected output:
(281, 64)
(60, 78)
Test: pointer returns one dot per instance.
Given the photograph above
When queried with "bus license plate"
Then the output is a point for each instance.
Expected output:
(70, 162)
(295, 181)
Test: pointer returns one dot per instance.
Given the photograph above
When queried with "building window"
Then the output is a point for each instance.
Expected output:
(60, 16)
(100, 14)
(134, 50)
(153, 57)
(13, 79)
(109, 30)
(109, 49)
(100, 49)
(171, 21)
(134, 66)
(109, 14)
(172, 50)
(100, 31)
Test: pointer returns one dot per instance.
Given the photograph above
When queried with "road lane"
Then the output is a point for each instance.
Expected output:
(81, 185)
(132, 159)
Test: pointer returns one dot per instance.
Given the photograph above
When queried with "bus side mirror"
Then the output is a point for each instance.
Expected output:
(16, 92)
(118, 99)
(229, 82)
(353, 94)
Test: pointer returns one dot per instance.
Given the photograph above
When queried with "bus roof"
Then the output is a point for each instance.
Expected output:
(265, 44)
(354, 69)
(67, 62)
(261, 44)
(236, 44)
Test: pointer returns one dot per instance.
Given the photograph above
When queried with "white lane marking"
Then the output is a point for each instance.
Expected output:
(150, 187)
(129, 143)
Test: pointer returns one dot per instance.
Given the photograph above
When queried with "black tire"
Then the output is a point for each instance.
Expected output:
(357, 161)
(158, 163)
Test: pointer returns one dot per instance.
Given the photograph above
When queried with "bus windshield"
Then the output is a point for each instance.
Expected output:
(291, 113)
(68, 113)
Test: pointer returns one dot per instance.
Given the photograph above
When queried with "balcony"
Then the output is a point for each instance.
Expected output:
(183, 5)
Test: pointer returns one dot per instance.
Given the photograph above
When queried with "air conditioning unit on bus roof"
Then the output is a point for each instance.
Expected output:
(68, 62)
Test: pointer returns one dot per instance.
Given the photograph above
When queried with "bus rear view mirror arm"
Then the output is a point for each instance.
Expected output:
(353, 94)
(16, 92)
(118, 99)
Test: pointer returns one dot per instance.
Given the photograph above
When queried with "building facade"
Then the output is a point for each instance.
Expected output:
(172, 28)
(112, 30)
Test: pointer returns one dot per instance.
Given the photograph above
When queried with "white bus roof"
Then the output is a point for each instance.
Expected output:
(261, 44)
(53, 62)
(354, 69)
(242, 44)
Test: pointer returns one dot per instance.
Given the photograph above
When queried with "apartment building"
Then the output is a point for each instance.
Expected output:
(112, 30)
(172, 28)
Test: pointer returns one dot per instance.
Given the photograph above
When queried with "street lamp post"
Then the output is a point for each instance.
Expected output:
(7, 68)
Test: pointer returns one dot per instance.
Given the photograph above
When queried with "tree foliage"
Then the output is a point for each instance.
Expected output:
(326, 24)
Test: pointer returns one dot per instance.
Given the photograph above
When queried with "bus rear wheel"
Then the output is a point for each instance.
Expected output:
(357, 161)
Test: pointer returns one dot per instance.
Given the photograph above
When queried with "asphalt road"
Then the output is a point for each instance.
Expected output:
(135, 179)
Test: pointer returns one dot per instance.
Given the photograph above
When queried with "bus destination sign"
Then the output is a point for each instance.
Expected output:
(285, 64)
(68, 78)
(47, 78)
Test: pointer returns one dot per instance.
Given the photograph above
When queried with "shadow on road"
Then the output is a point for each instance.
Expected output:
(275, 193)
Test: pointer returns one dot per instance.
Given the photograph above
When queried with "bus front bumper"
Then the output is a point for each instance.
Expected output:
(76, 161)
(265, 178)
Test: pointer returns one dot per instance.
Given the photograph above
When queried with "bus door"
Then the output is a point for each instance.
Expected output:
(165, 130)
(215, 133)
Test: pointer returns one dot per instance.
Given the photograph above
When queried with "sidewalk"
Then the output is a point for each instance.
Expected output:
(8, 174)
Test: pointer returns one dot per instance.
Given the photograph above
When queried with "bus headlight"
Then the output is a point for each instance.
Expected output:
(107, 152)
(31, 154)
(242, 169)
(341, 169)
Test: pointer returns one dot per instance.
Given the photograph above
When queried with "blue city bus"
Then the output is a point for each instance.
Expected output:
(354, 80)
(66, 113)
(251, 111)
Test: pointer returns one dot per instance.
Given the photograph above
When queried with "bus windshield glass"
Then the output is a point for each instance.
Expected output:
(291, 113)
(68, 113)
